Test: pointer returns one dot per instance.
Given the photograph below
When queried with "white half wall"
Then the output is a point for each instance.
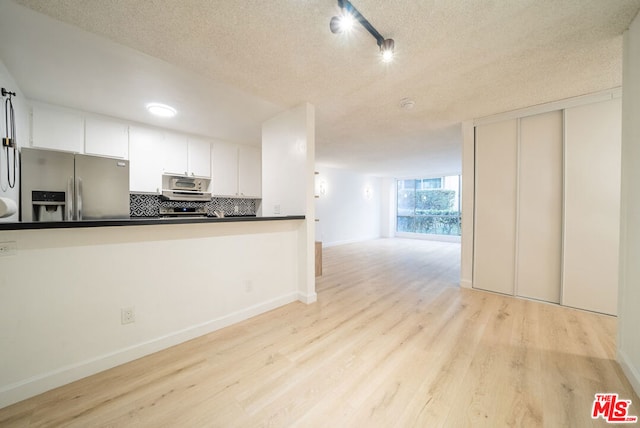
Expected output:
(350, 208)
(629, 282)
(61, 294)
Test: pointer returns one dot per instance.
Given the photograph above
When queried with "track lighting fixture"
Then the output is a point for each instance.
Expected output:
(344, 23)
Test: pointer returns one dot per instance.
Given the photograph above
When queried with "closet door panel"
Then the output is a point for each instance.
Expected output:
(592, 206)
(539, 234)
(495, 206)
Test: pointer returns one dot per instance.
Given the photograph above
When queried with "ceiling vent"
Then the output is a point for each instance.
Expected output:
(407, 104)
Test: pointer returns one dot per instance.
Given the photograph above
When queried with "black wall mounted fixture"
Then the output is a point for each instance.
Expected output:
(386, 45)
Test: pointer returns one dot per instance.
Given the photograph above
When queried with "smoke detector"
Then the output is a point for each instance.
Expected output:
(406, 104)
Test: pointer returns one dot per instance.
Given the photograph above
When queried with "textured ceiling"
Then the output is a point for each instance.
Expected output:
(458, 59)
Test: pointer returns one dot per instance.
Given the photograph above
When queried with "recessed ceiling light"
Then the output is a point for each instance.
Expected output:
(161, 110)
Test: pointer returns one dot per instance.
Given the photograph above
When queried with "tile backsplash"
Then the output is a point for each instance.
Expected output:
(149, 205)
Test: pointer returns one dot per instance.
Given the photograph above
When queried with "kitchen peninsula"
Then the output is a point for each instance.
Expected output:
(79, 297)
(139, 221)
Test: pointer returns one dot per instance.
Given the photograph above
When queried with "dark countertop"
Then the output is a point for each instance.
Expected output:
(137, 221)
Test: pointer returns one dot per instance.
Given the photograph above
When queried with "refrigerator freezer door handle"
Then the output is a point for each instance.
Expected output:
(69, 200)
(79, 198)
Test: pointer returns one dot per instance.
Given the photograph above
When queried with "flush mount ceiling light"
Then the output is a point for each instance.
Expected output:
(344, 23)
(161, 110)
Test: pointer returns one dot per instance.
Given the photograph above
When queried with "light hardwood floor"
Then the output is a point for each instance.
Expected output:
(392, 342)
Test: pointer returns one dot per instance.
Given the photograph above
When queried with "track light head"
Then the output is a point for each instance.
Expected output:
(386, 48)
(348, 18)
(342, 24)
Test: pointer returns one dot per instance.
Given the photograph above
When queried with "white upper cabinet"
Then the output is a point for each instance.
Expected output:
(249, 172)
(57, 128)
(236, 170)
(145, 160)
(186, 155)
(199, 154)
(174, 153)
(224, 169)
(106, 138)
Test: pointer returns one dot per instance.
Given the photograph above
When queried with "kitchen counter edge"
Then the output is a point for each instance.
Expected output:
(137, 221)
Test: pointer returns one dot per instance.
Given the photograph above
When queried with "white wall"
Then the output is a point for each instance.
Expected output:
(467, 199)
(288, 158)
(61, 294)
(347, 212)
(388, 190)
(22, 137)
(285, 148)
(629, 286)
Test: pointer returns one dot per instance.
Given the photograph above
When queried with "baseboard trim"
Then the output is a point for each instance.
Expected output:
(307, 298)
(632, 374)
(349, 241)
(35, 385)
(466, 283)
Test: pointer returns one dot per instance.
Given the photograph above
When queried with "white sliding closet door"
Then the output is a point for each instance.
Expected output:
(539, 227)
(592, 206)
(495, 206)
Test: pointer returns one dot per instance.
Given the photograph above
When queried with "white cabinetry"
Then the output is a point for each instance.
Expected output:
(106, 138)
(174, 149)
(186, 155)
(249, 172)
(57, 128)
(145, 160)
(199, 154)
(236, 171)
(224, 169)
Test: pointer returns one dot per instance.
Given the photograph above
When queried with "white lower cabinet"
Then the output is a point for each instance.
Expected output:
(547, 201)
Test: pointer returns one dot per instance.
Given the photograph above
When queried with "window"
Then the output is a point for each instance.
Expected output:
(429, 206)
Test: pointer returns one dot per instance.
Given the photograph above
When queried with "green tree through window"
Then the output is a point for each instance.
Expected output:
(429, 206)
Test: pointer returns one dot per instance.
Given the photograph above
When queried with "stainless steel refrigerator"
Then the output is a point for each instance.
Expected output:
(61, 186)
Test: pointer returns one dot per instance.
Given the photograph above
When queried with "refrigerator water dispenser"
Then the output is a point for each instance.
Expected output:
(48, 206)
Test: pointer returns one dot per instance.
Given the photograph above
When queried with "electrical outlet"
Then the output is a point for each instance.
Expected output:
(127, 316)
(8, 248)
(276, 209)
(236, 209)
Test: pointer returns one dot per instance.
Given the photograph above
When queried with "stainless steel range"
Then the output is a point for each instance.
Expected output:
(182, 212)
